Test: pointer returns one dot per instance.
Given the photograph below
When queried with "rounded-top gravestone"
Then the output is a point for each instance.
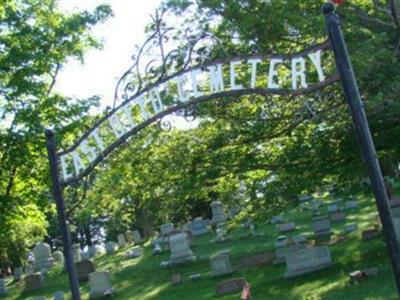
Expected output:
(58, 257)
(43, 257)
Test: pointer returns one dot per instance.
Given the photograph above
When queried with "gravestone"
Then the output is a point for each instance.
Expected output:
(166, 229)
(332, 208)
(281, 241)
(221, 233)
(121, 240)
(94, 250)
(33, 282)
(300, 239)
(350, 205)
(180, 250)
(230, 286)
(176, 279)
(85, 256)
(276, 220)
(322, 227)
(348, 228)
(100, 285)
(43, 257)
(157, 249)
(369, 234)
(288, 227)
(137, 238)
(304, 198)
(83, 269)
(218, 213)
(129, 237)
(58, 257)
(111, 247)
(337, 217)
(135, 252)
(59, 296)
(18, 272)
(3, 288)
(221, 264)
(76, 252)
(307, 260)
(198, 227)
(282, 252)
(29, 269)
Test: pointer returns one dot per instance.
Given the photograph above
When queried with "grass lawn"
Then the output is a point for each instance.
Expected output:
(144, 279)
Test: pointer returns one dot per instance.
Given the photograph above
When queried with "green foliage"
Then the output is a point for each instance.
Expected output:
(35, 41)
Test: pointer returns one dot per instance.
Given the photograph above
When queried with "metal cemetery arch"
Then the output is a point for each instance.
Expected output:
(144, 106)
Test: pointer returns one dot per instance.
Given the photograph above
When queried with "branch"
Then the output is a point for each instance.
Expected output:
(363, 15)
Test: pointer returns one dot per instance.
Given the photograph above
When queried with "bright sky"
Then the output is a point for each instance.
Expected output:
(102, 68)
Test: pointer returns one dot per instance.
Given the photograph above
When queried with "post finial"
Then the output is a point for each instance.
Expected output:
(328, 8)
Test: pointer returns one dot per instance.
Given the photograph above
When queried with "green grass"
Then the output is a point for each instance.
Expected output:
(144, 279)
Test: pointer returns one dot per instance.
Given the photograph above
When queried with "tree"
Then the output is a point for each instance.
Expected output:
(35, 41)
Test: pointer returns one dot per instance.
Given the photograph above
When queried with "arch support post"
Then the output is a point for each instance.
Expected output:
(62, 219)
(360, 121)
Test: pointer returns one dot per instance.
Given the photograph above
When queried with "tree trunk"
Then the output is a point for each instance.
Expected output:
(144, 222)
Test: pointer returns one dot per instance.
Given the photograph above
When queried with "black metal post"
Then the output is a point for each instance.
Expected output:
(59, 198)
(353, 98)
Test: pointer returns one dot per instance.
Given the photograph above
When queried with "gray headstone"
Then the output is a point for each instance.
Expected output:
(322, 226)
(350, 227)
(76, 252)
(281, 242)
(288, 227)
(111, 247)
(218, 213)
(33, 282)
(307, 260)
(221, 264)
(332, 208)
(3, 288)
(137, 238)
(337, 217)
(100, 285)
(135, 252)
(83, 269)
(276, 220)
(121, 240)
(157, 249)
(43, 257)
(350, 205)
(59, 296)
(180, 250)
(18, 272)
(300, 239)
(198, 227)
(166, 229)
